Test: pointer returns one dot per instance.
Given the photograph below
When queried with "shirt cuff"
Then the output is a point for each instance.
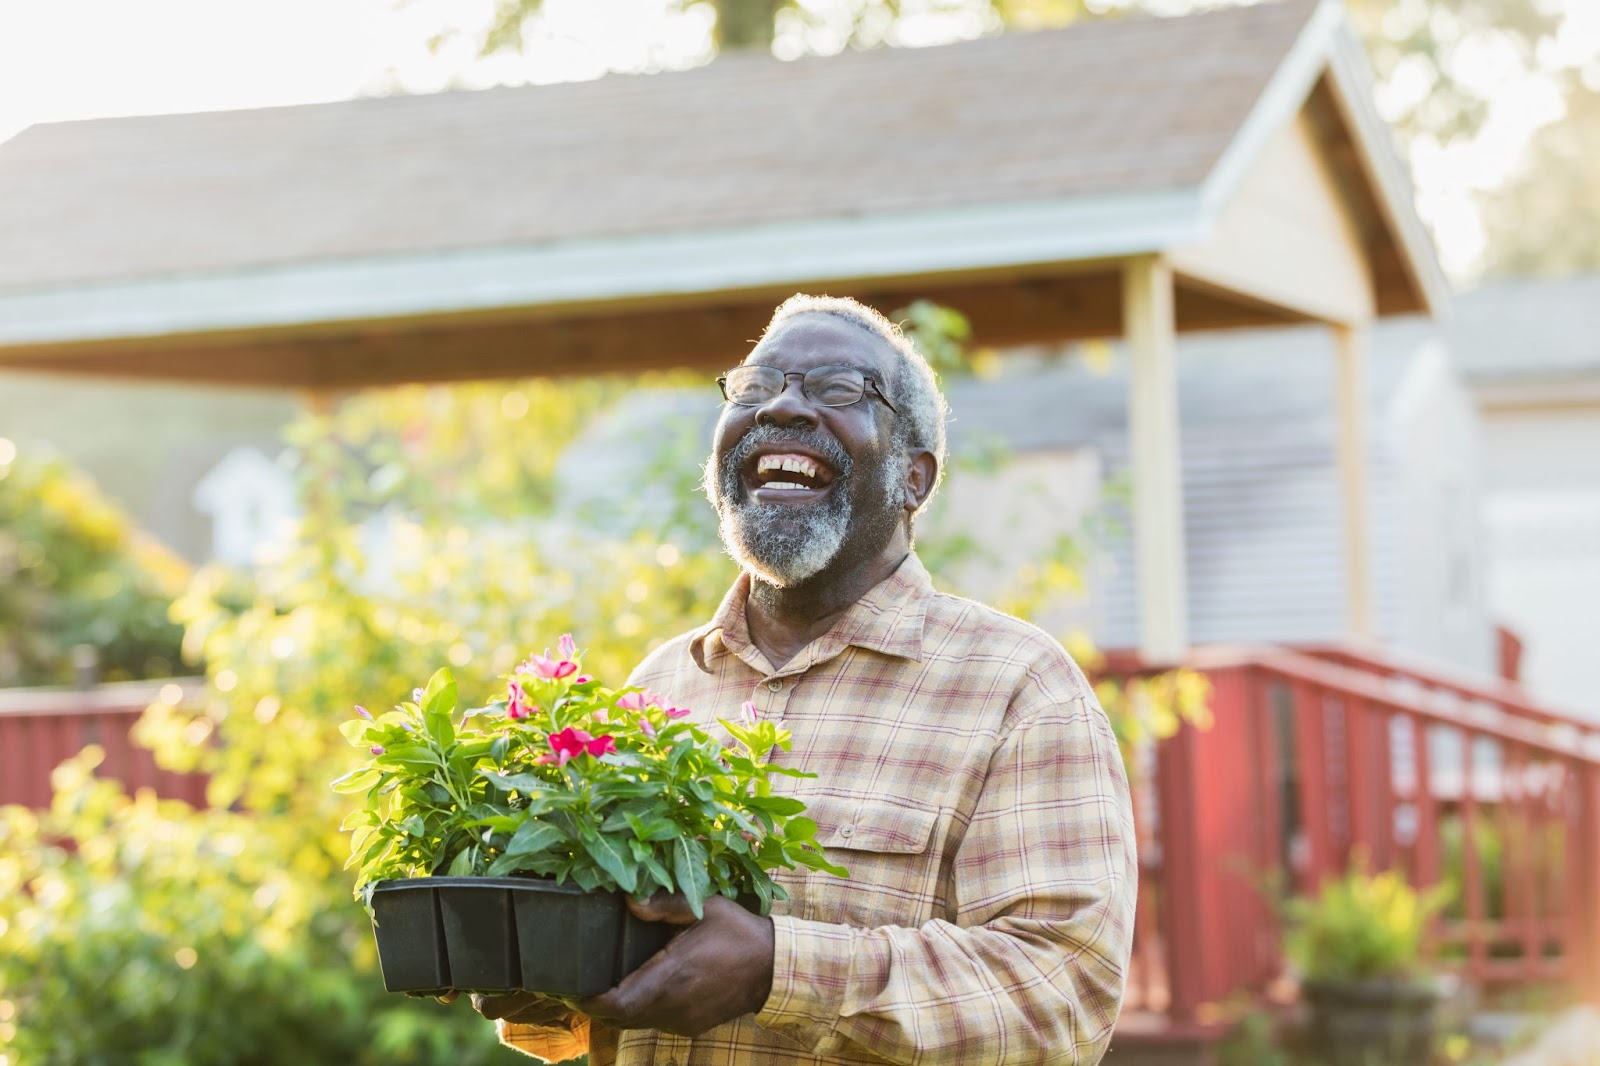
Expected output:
(550, 1043)
(810, 975)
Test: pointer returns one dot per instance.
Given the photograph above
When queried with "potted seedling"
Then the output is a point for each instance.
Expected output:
(498, 844)
(1358, 945)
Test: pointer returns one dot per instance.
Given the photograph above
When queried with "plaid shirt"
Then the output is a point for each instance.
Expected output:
(969, 780)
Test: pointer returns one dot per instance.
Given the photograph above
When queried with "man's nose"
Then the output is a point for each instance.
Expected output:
(789, 408)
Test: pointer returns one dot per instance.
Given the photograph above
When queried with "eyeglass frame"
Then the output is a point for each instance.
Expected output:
(866, 379)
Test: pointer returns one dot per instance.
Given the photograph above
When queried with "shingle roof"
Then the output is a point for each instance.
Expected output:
(1107, 107)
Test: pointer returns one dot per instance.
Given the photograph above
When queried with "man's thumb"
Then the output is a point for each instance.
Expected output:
(669, 907)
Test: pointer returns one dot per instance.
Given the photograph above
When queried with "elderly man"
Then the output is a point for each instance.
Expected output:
(966, 775)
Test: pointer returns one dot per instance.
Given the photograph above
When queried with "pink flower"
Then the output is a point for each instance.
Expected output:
(646, 728)
(363, 712)
(416, 695)
(378, 749)
(633, 701)
(582, 679)
(550, 668)
(566, 646)
(570, 742)
(747, 711)
(517, 706)
(678, 712)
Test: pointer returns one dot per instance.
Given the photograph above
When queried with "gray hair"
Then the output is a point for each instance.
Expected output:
(914, 390)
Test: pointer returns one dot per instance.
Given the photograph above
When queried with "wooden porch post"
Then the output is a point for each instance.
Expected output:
(1149, 325)
(1351, 447)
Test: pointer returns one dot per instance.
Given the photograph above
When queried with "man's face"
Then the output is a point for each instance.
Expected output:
(846, 499)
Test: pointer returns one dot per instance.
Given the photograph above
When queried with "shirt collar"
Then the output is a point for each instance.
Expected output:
(889, 619)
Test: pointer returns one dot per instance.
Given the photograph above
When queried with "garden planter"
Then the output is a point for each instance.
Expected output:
(1374, 1022)
(503, 934)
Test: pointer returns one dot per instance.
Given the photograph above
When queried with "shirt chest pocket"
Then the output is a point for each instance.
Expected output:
(891, 853)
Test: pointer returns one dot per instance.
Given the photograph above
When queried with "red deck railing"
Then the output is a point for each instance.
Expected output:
(41, 727)
(1316, 755)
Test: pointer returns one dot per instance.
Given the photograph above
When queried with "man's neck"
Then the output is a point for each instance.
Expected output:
(782, 621)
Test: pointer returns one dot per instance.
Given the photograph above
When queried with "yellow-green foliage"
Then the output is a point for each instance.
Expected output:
(174, 937)
(1361, 925)
(74, 571)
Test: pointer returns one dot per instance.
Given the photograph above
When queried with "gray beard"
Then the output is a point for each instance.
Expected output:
(780, 545)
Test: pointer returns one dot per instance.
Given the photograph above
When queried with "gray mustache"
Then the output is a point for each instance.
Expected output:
(813, 441)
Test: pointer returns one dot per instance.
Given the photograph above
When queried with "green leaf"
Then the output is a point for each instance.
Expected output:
(534, 836)
(816, 860)
(440, 695)
(781, 806)
(461, 865)
(523, 783)
(800, 829)
(498, 748)
(410, 755)
(657, 828)
(357, 780)
(689, 865)
(355, 731)
(658, 872)
(608, 854)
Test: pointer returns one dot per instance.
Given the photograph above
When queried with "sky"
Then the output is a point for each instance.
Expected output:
(73, 59)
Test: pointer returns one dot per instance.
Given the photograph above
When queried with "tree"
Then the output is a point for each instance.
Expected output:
(1546, 218)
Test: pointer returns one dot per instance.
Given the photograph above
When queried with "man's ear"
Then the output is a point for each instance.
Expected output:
(922, 474)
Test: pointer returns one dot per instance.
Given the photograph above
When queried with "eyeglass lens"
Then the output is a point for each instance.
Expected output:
(830, 386)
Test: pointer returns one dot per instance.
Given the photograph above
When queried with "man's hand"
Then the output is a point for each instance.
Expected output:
(717, 970)
(523, 1008)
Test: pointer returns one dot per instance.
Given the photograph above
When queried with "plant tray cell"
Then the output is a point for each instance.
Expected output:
(410, 937)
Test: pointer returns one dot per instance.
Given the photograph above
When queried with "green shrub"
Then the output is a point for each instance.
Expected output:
(1360, 926)
(73, 571)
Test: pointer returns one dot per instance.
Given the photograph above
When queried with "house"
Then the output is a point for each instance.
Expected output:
(1530, 351)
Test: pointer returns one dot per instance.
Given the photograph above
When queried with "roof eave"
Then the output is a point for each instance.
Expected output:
(626, 269)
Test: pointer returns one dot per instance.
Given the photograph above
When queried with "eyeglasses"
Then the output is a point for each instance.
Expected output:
(826, 386)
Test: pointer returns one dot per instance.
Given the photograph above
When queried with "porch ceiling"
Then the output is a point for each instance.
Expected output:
(710, 334)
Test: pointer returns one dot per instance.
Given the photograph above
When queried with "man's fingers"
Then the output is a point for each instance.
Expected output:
(496, 1007)
(670, 907)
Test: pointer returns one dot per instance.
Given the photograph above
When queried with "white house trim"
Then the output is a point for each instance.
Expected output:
(1282, 99)
(651, 265)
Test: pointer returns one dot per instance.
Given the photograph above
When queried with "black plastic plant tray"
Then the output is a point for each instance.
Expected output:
(505, 934)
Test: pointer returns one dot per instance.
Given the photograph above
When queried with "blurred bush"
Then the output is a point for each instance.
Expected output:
(74, 571)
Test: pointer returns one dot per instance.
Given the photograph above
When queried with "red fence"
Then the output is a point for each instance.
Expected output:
(1315, 755)
(40, 727)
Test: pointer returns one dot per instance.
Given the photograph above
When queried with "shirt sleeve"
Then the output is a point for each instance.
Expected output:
(547, 1043)
(1032, 969)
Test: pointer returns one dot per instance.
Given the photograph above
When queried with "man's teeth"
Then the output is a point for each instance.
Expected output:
(799, 464)
(782, 485)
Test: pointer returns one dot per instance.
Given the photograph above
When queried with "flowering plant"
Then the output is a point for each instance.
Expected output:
(563, 777)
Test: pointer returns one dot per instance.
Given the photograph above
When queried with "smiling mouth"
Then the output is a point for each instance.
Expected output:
(788, 475)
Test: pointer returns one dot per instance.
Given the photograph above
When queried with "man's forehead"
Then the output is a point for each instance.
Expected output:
(816, 338)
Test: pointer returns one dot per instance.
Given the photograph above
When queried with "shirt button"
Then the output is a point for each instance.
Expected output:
(847, 830)
(775, 685)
